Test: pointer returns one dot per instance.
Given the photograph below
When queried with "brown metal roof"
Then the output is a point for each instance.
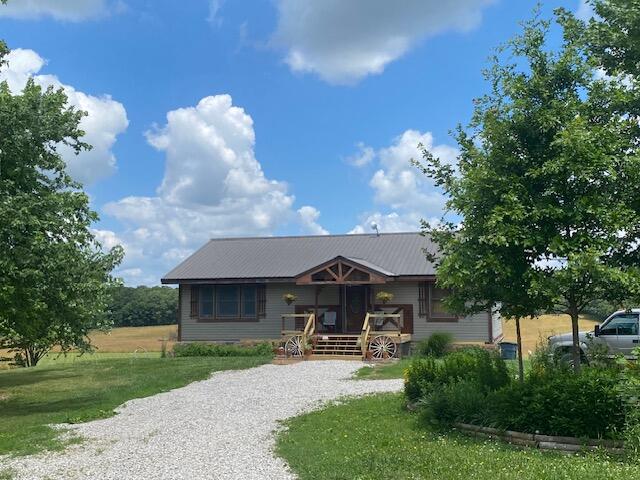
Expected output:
(396, 254)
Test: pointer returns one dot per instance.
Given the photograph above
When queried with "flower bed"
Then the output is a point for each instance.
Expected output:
(473, 387)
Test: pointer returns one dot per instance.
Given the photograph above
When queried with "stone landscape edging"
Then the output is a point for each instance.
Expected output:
(543, 442)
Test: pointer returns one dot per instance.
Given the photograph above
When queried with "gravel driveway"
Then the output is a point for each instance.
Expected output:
(220, 428)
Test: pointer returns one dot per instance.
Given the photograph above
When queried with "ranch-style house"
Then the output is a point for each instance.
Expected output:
(320, 294)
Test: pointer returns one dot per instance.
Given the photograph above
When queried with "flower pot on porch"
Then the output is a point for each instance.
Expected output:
(368, 355)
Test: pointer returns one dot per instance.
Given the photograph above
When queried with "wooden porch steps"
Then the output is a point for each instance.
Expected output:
(335, 357)
(337, 345)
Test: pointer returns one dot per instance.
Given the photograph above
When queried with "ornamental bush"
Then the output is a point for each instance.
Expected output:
(438, 344)
(418, 378)
(263, 349)
(473, 386)
(485, 368)
(561, 402)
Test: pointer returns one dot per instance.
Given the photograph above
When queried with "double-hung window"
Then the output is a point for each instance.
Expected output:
(431, 303)
(228, 302)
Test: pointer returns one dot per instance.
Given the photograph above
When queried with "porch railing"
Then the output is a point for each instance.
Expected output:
(306, 333)
(367, 328)
(364, 335)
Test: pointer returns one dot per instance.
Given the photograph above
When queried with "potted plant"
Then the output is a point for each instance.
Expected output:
(384, 297)
(308, 349)
(289, 298)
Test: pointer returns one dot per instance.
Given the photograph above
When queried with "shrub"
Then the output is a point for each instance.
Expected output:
(418, 377)
(561, 402)
(436, 345)
(630, 391)
(461, 401)
(263, 349)
(485, 368)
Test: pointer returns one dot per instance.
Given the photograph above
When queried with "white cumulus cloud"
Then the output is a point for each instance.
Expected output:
(344, 41)
(309, 219)
(405, 193)
(213, 186)
(362, 157)
(106, 117)
(70, 10)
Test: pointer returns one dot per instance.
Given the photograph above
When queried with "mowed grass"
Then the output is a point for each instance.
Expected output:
(376, 438)
(78, 389)
(383, 371)
(539, 328)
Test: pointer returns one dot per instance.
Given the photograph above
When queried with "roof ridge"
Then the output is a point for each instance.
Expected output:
(266, 237)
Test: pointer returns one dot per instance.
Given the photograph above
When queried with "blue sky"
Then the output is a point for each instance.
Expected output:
(222, 118)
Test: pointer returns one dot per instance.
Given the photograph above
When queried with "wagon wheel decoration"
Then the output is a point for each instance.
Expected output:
(294, 346)
(382, 347)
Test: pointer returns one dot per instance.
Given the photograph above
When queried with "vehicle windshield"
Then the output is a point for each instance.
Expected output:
(621, 324)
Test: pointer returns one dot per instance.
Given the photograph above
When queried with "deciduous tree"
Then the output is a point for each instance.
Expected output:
(544, 186)
(54, 275)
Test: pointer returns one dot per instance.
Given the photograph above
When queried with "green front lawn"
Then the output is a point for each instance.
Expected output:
(67, 391)
(376, 438)
(383, 371)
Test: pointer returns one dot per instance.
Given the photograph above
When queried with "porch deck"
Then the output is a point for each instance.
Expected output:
(370, 344)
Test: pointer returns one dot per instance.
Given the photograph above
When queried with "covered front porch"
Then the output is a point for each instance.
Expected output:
(346, 319)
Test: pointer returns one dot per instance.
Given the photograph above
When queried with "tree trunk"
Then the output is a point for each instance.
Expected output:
(576, 341)
(519, 341)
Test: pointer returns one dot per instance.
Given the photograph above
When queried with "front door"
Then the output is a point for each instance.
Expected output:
(356, 307)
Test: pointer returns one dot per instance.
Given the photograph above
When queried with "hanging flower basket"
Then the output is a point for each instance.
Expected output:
(384, 297)
(289, 298)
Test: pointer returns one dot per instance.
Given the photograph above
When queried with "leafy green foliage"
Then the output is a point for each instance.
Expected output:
(629, 389)
(545, 185)
(485, 368)
(561, 403)
(461, 400)
(343, 442)
(614, 36)
(55, 276)
(263, 349)
(474, 386)
(436, 345)
(419, 376)
(60, 392)
(142, 306)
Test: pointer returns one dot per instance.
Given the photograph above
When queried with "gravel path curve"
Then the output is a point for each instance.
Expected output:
(219, 428)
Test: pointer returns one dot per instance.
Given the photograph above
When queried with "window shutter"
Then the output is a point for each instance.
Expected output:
(261, 301)
(422, 299)
(195, 297)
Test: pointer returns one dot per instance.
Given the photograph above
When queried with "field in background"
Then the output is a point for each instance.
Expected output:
(541, 327)
(130, 339)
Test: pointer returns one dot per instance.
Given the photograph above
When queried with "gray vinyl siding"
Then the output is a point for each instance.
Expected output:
(268, 327)
(473, 328)
(470, 329)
